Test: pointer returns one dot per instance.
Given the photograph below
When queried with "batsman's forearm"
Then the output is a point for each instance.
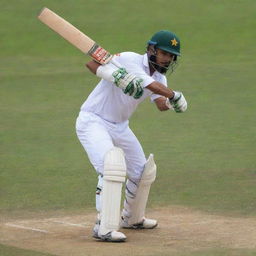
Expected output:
(92, 66)
(160, 89)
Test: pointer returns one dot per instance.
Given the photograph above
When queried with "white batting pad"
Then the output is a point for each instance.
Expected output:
(113, 178)
(138, 204)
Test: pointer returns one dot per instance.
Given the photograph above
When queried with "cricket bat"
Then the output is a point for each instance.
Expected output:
(75, 36)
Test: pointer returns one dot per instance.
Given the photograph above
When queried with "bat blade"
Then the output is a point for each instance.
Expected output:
(66, 30)
(75, 36)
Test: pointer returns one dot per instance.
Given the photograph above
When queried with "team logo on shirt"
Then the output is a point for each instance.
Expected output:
(174, 42)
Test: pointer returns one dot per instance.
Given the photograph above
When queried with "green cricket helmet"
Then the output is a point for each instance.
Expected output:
(167, 41)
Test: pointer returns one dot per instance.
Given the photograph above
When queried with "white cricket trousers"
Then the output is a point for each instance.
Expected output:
(98, 136)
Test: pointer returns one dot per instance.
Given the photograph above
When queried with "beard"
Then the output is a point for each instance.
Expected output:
(160, 68)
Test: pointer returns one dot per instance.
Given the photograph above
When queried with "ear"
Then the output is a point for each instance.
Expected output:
(151, 49)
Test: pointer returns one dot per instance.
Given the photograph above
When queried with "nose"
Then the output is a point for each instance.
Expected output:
(168, 57)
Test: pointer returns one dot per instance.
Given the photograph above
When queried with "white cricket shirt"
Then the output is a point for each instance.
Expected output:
(110, 103)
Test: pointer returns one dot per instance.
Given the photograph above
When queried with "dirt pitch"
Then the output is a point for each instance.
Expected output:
(180, 229)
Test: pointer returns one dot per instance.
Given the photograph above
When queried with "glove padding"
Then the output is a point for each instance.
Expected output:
(129, 83)
(178, 102)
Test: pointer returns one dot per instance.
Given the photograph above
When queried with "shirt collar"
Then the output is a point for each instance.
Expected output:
(145, 61)
(146, 66)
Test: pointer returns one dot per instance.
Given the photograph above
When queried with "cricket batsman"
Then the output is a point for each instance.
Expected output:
(112, 148)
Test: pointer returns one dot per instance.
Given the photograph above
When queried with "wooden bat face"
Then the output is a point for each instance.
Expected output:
(74, 36)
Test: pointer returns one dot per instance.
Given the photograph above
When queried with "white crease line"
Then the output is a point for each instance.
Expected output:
(190, 223)
(69, 224)
(27, 228)
(203, 222)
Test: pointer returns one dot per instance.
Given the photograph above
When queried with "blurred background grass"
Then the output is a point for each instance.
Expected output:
(205, 157)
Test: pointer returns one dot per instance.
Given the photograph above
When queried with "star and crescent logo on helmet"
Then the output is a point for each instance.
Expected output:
(174, 42)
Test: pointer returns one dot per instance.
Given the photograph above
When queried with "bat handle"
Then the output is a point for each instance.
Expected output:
(115, 63)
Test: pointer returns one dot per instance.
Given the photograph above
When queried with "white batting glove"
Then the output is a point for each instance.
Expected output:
(129, 83)
(122, 78)
(178, 102)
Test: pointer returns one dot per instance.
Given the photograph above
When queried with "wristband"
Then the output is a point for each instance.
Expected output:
(106, 72)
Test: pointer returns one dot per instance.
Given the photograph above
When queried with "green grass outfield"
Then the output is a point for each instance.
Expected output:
(206, 157)
(12, 251)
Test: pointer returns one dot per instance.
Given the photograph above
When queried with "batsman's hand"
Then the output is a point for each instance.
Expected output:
(177, 102)
(129, 83)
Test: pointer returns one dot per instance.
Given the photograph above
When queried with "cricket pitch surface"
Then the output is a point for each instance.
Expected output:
(179, 230)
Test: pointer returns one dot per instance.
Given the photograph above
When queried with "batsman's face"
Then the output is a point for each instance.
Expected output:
(164, 58)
